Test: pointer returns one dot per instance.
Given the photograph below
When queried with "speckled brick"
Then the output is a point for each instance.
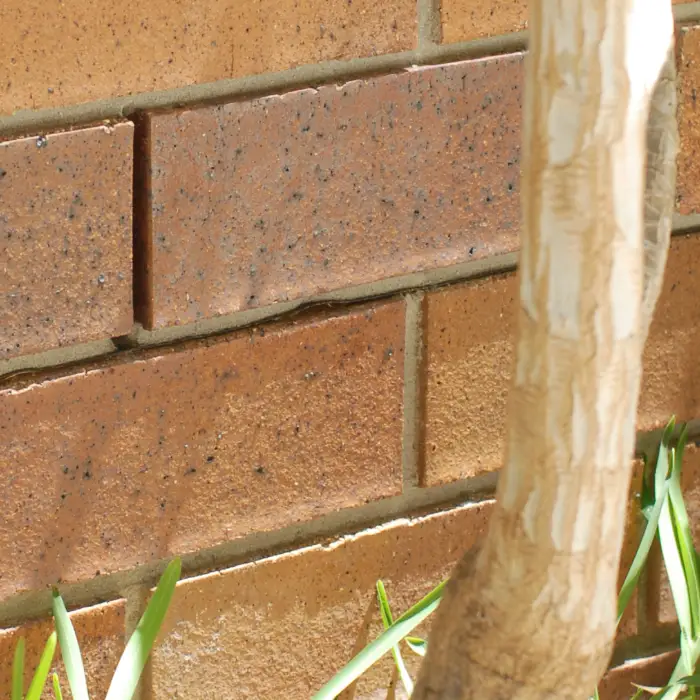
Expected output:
(187, 448)
(465, 20)
(469, 331)
(288, 196)
(100, 632)
(671, 380)
(688, 161)
(662, 609)
(284, 626)
(654, 671)
(65, 239)
(61, 52)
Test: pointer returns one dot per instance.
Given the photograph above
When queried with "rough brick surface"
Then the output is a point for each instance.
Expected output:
(284, 197)
(132, 462)
(284, 626)
(465, 20)
(65, 239)
(654, 671)
(688, 162)
(671, 381)
(468, 335)
(64, 52)
(100, 632)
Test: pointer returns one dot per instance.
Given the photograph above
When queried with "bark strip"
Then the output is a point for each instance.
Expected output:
(531, 614)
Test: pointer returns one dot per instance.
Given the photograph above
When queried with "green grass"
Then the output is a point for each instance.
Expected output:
(666, 517)
(130, 666)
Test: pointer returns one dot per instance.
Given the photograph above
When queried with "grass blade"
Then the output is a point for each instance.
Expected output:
(686, 548)
(417, 645)
(388, 620)
(381, 645)
(56, 687)
(36, 687)
(70, 649)
(662, 481)
(674, 567)
(130, 667)
(18, 671)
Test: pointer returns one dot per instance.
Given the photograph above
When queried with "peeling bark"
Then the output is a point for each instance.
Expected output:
(531, 613)
(660, 195)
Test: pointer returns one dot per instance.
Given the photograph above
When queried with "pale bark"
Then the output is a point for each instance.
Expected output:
(531, 614)
(660, 194)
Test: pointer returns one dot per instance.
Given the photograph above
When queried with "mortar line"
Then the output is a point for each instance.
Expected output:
(412, 390)
(429, 25)
(71, 356)
(31, 122)
(412, 503)
(142, 235)
(239, 320)
(256, 546)
(686, 13)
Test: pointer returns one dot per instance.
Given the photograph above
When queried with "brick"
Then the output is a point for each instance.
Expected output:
(288, 196)
(662, 607)
(132, 461)
(65, 239)
(64, 52)
(100, 632)
(688, 160)
(284, 626)
(468, 334)
(466, 20)
(654, 672)
(671, 381)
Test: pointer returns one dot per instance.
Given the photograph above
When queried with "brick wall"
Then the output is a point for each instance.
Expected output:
(256, 310)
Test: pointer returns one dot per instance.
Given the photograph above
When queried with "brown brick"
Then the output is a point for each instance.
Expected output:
(284, 626)
(195, 446)
(688, 161)
(465, 20)
(288, 196)
(469, 331)
(468, 335)
(654, 671)
(671, 381)
(100, 632)
(662, 607)
(64, 52)
(65, 239)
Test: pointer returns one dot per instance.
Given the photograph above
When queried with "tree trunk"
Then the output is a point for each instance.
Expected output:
(531, 613)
